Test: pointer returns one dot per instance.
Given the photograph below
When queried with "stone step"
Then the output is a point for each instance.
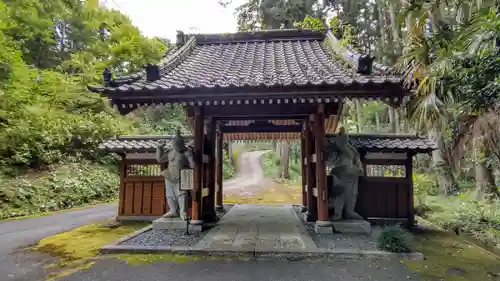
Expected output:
(169, 223)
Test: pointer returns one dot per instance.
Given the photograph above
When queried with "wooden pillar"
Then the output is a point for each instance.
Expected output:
(219, 176)
(210, 214)
(303, 165)
(319, 133)
(312, 210)
(121, 193)
(409, 178)
(196, 211)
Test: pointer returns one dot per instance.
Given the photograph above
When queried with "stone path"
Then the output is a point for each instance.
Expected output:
(259, 227)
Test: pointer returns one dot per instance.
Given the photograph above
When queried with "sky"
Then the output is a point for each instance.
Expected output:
(163, 18)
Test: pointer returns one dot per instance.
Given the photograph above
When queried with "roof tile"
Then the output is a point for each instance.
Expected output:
(259, 59)
(395, 143)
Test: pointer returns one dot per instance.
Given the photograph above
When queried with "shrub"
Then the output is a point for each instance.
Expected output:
(479, 217)
(270, 164)
(227, 168)
(395, 239)
(61, 187)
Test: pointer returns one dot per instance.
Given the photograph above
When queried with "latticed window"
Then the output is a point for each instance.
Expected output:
(388, 171)
(143, 170)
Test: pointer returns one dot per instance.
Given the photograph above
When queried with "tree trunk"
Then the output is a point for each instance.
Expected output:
(359, 122)
(377, 122)
(392, 120)
(230, 153)
(396, 32)
(445, 178)
(284, 160)
(381, 25)
(485, 182)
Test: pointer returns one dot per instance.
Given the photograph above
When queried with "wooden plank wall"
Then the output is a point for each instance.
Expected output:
(382, 197)
(142, 189)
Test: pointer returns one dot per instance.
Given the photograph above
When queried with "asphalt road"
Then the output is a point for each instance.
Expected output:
(262, 270)
(26, 266)
(17, 234)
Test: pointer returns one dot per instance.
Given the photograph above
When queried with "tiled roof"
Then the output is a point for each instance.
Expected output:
(135, 144)
(376, 143)
(393, 143)
(276, 58)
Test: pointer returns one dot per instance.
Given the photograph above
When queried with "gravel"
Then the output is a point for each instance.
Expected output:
(339, 241)
(154, 237)
(170, 237)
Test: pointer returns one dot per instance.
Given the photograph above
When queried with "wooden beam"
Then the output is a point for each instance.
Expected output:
(196, 210)
(291, 111)
(260, 117)
(312, 210)
(121, 193)
(211, 215)
(268, 128)
(409, 178)
(263, 92)
(319, 133)
(219, 175)
(303, 167)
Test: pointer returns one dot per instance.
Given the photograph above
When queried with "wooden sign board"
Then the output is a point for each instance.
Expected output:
(187, 179)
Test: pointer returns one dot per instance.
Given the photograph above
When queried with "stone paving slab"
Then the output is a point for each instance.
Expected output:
(251, 227)
(267, 231)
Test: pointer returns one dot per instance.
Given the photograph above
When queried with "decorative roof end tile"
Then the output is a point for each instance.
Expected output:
(107, 77)
(152, 72)
(365, 65)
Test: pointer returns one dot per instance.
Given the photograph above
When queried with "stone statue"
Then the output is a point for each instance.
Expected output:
(347, 169)
(177, 156)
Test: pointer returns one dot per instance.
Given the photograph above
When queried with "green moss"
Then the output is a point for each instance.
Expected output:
(83, 243)
(135, 259)
(77, 249)
(138, 259)
(449, 258)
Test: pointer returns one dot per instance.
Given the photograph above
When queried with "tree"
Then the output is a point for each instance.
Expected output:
(50, 51)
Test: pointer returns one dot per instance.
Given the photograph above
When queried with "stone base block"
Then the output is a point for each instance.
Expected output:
(323, 227)
(169, 223)
(352, 226)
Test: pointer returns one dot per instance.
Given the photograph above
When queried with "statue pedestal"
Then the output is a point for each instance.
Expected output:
(169, 223)
(352, 226)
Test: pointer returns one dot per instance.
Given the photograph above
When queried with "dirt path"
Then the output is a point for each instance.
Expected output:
(250, 186)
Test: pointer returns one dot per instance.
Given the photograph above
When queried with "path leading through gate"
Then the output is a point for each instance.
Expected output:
(259, 227)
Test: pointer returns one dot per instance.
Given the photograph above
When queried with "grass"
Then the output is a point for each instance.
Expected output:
(273, 194)
(76, 249)
(449, 257)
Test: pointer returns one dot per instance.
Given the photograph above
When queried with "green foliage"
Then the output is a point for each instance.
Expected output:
(49, 52)
(395, 239)
(228, 170)
(160, 120)
(466, 213)
(61, 187)
(270, 164)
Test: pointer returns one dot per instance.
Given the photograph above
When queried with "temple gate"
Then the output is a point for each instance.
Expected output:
(265, 85)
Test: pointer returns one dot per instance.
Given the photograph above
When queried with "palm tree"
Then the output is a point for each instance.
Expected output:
(429, 56)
